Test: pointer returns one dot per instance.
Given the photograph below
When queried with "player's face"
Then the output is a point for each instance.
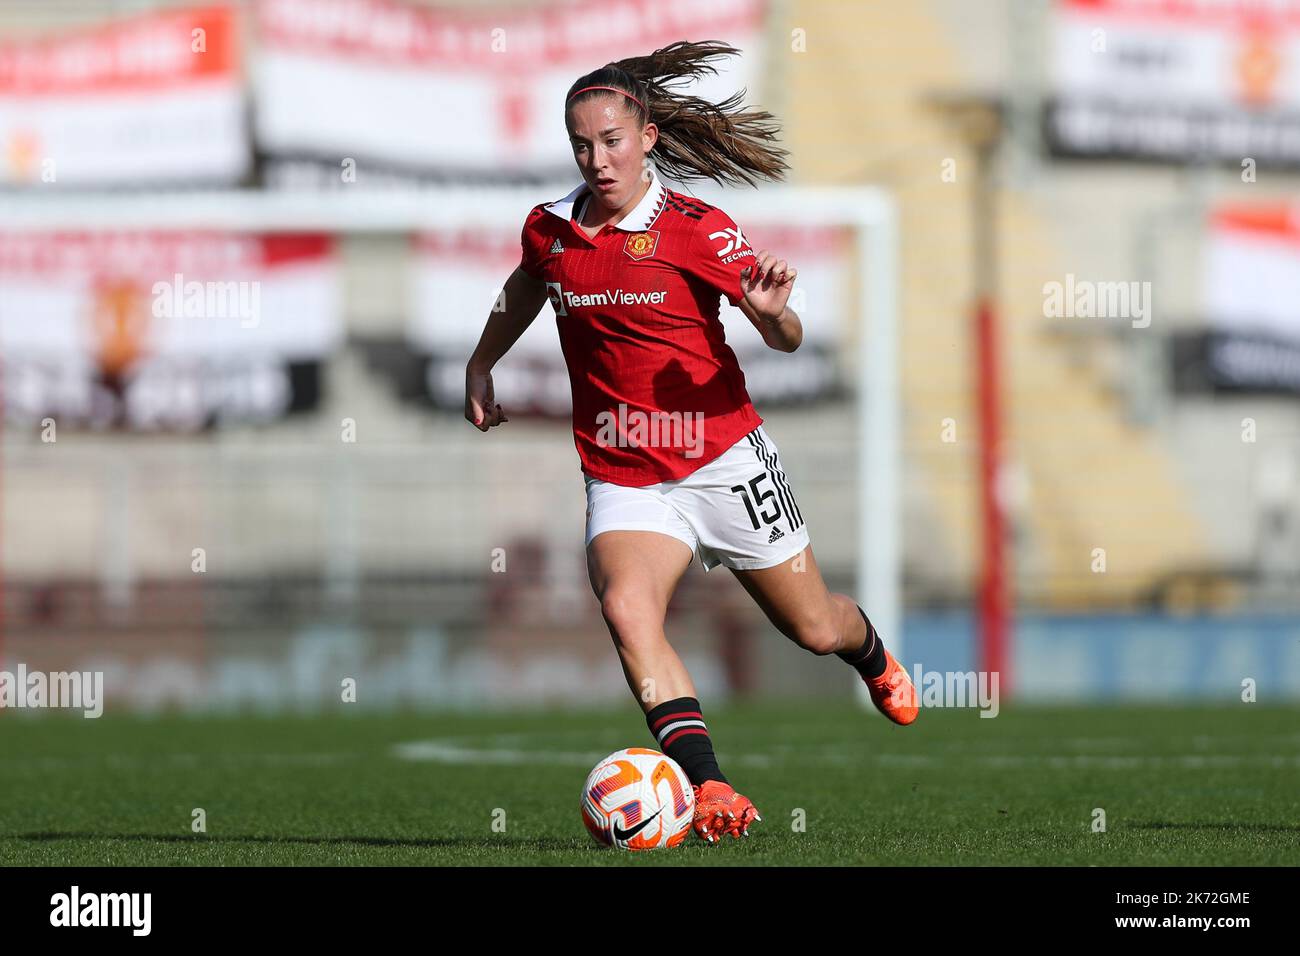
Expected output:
(610, 149)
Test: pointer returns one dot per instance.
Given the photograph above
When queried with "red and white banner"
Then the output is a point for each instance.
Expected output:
(1252, 298)
(420, 87)
(1252, 270)
(458, 276)
(163, 329)
(1177, 79)
(154, 99)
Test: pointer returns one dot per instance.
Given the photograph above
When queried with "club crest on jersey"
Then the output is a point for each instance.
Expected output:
(642, 245)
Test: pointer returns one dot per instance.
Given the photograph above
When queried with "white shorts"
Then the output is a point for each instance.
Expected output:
(738, 510)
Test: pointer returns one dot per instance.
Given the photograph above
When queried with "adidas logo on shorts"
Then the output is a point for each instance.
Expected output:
(558, 247)
(776, 534)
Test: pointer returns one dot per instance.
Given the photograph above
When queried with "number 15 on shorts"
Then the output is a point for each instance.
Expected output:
(758, 498)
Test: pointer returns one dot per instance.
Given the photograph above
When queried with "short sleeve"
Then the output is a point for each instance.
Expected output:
(719, 253)
(532, 243)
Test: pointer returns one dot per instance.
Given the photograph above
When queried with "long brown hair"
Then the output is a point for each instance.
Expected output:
(697, 139)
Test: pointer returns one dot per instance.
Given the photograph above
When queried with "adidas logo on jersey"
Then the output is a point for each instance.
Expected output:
(775, 535)
(558, 247)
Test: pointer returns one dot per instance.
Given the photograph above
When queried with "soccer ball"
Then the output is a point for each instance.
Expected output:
(638, 799)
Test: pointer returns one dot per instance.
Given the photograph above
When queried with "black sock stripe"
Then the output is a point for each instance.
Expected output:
(782, 478)
(693, 752)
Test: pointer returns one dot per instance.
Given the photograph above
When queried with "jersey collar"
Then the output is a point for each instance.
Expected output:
(638, 220)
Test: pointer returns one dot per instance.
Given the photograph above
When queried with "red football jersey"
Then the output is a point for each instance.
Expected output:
(657, 392)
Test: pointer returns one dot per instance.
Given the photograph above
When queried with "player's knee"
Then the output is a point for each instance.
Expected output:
(818, 636)
(629, 614)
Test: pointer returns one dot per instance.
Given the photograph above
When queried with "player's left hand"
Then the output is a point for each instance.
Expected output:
(767, 283)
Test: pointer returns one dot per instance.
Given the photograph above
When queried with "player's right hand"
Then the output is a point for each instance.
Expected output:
(481, 408)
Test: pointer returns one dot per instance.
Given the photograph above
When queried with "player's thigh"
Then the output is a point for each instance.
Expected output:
(792, 594)
(636, 572)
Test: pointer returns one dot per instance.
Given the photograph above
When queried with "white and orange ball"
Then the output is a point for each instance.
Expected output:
(638, 799)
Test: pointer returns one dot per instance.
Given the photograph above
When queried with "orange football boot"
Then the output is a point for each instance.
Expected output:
(720, 810)
(893, 692)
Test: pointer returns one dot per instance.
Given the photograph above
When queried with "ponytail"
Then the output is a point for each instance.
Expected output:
(697, 139)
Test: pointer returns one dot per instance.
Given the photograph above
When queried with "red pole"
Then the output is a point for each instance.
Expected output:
(994, 612)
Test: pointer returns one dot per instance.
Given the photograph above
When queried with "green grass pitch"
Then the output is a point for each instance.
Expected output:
(1178, 786)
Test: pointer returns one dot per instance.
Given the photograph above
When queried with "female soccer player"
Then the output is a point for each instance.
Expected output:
(675, 458)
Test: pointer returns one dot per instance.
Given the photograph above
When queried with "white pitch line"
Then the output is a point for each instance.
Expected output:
(179, 759)
(441, 751)
(460, 751)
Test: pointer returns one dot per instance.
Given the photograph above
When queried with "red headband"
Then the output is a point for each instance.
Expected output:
(614, 89)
